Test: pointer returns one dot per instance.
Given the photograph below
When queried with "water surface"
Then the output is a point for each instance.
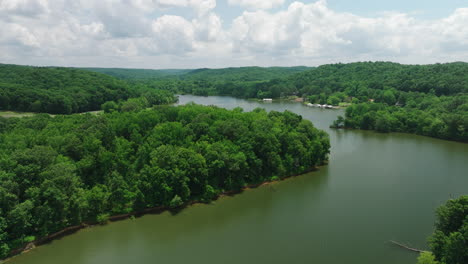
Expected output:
(376, 188)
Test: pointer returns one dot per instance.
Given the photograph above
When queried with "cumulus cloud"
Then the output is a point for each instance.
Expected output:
(257, 4)
(117, 32)
(173, 34)
(314, 30)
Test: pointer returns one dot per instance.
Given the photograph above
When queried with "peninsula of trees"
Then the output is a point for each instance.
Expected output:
(61, 171)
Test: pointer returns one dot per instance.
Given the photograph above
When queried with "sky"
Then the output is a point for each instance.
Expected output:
(161, 34)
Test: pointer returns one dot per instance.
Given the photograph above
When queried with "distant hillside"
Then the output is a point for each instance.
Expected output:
(57, 90)
(442, 79)
(242, 74)
(138, 74)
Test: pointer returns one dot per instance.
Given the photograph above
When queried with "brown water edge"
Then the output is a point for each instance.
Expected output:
(152, 210)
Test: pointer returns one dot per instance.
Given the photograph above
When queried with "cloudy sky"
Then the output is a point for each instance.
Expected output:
(220, 33)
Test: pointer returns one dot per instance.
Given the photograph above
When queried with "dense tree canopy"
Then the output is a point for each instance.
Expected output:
(138, 74)
(361, 81)
(239, 82)
(67, 90)
(57, 90)
(449, 242)
(422, 99)
(240, 74)
(61, 171)
(443, 117)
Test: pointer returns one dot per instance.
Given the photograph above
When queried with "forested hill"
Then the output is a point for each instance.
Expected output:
(240, 74)
(441, 79)
(360, 80)
(57, 90)
(138, 74)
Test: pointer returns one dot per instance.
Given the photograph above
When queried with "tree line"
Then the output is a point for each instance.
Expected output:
(60, 171)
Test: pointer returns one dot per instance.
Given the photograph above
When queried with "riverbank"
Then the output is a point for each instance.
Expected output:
(152, 210)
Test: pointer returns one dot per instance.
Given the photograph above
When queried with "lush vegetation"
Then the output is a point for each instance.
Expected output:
(353, 82)
(148, 98)
(242, 74)
(381, 81)
(443, 117)
(428, 100)
(67, 90)
(61, 171)
(239, 82)
(57, 90)
(449, 243)
(138, 74)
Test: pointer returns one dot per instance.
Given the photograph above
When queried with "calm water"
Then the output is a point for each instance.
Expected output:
(376, 188)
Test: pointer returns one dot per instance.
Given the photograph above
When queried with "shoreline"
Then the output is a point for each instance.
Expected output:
(151, 210)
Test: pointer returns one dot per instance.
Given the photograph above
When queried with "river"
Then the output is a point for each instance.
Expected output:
(376, 188)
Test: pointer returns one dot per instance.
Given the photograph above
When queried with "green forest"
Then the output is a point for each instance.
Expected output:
(353, 82)
(239, 82)
(449, 242)
(64, 170)
(444, 117)
(241, 74)
(61, 171)
(66, 90)
(138, 74)
(428, 100)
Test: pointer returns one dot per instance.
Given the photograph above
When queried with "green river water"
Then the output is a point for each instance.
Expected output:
(376, 188)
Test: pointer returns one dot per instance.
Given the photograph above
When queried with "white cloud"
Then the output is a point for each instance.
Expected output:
(257, 4)
(14, 34)
(315, 31)
(199, 6)
(208, 28)
(27, 8)
(202, 7)
(173, 34)
(117, 32)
